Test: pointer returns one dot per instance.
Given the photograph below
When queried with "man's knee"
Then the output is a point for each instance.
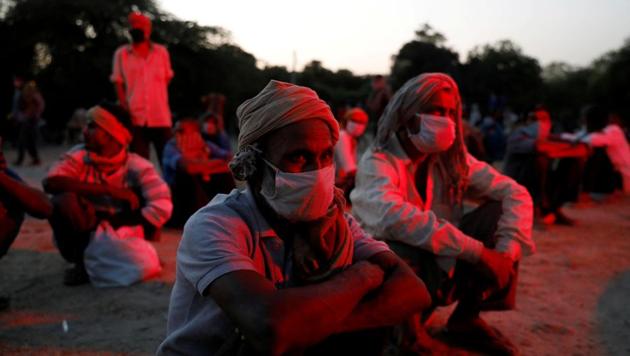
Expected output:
(71, 210)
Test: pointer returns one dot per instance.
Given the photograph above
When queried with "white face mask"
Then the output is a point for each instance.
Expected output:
(436, 134)
(301, 196)
(355, 129)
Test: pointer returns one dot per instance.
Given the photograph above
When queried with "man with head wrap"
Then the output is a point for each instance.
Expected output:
(410, 191)
(279, 267)
(101, 181)
(141, 73)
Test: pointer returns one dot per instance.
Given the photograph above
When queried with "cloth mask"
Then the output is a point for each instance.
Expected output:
(303, 196)
(355, 129)
(437, 134)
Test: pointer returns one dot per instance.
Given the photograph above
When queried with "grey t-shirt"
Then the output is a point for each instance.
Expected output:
(227, 235)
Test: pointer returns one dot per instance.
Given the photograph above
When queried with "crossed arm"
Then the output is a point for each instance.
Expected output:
(379, 292)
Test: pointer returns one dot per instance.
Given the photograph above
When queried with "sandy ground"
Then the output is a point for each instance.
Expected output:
(573, 294)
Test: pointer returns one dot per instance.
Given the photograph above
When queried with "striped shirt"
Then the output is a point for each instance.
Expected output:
(137, 174)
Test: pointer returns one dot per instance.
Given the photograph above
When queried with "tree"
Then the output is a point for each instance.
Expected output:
(502, 71)
(426, 53)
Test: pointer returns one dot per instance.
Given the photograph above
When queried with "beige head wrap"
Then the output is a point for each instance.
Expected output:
(408, 100)
(108, 122)
(279, 104)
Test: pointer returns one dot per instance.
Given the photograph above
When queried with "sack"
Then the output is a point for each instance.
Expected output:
(120, 257)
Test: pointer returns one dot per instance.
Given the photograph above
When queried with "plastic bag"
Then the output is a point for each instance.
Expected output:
(120, 257)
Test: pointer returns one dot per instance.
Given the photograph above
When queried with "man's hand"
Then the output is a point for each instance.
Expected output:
(125, 195)
(497, 266)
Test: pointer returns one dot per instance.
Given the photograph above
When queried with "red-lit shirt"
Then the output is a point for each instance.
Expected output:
(386, 202)
(613, 138)
(136, 173)
(146, 82)
(229, 234)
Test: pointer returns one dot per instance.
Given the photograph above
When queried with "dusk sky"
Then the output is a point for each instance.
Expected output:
(363, 35)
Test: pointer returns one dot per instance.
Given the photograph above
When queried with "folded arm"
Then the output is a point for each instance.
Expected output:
(278, 321)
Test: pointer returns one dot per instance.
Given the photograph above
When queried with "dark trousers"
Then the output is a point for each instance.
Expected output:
(143, 136)
(599, 174)
(27, 141)
(72, 221)
(467, 284)
(191, 192)
(11, 218)
(551, 182)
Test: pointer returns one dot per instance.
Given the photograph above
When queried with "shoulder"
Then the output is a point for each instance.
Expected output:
(76, 153)
(225, 217)
(159, 48)
(120, 50)
(138, 162)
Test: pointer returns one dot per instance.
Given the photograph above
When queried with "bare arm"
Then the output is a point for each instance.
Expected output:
(119, 87)
(33, 201)
(278, 321)
(401, 295)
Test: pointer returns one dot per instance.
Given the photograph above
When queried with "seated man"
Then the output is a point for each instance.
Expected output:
(410, 191)
(101, 180)
(195, 168)
(279, 267)
(551, 185)
(211, 130)
(609, 168)
(16, 198)
(353, 126)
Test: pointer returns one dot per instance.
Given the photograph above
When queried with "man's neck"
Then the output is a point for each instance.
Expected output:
(141, 48)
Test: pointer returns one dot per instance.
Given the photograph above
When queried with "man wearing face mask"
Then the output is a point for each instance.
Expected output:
(353, 126)
(279, 267)
(141, 74)
(410, 191)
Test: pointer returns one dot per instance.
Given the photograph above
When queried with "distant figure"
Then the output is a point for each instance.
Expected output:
(99, 184)
(195, 168)
(16, 198)
(353, 125)
(279, 268)
(551, 185)
(212, 130)
(378, 98)
(141, 74)
(30, 108)
(76, 125)
(604, 132)
(491, 128)
(410, 191)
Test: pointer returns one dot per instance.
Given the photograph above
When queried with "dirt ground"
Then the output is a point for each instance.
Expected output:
(573, 294)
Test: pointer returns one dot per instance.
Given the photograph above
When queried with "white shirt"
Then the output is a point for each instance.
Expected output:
(387, 204)
(613, 138)
(345, 154)
(146, 82)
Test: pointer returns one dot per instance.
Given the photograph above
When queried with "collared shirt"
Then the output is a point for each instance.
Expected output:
(137, 174)
(613, 138)
(228, 234)
(386, 202)
(146, 84)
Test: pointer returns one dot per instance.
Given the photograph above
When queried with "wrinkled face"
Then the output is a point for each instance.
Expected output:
(96, 139)
(300, 147)
(443, 103)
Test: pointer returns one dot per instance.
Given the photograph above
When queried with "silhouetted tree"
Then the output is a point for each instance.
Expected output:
(426, 53)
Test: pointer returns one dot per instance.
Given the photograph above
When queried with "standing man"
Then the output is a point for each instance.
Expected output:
(141, 73)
